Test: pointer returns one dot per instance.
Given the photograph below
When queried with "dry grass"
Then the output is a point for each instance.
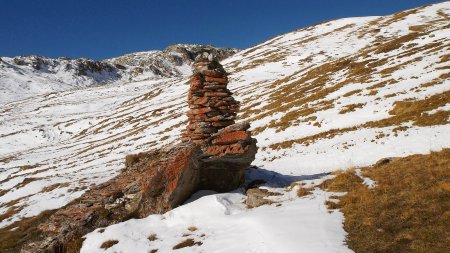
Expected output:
(187, 243)
(402, 112)
(415, 108)
(192, 228)
(54, 186)
(437, 118)
(13, 236)
(348, 94)
(152, 237)
(108, 244)
(408, 210)
(351, 108)
(399, 16)
(132, 159)
(301, 192)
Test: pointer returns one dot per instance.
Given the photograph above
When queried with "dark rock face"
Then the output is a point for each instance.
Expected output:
(85, 66)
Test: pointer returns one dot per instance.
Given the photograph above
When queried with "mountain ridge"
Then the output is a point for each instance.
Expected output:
(25, 76)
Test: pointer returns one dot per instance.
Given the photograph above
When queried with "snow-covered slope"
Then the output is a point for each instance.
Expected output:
(25, 76)
(340, 94)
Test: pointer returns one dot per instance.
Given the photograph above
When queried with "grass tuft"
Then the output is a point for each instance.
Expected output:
(108, 244)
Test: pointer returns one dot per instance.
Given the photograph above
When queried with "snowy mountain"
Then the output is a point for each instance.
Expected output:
(340, 94)
(25, 76)
(174, 61)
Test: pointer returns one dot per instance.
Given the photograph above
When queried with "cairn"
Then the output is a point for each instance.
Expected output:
(214, 156)
(211, 106)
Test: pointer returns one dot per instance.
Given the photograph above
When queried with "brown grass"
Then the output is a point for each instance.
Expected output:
(132, 159)
(108, 244)
(396, 43)
(152, 237)
(437, 118)
(301, 192)
(408, 210)
(192, 228)
(348, 94)
(351, 108)
(402, 112)
(414, 108)
(54, 186)
(187, 243)
(13, 236)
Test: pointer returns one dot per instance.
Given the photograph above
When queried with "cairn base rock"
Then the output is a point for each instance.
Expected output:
(153, 182)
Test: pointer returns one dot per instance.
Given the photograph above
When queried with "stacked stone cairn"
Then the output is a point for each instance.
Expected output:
(212, 111)
(214, 156)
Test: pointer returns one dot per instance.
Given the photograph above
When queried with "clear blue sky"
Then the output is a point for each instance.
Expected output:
(106, 28)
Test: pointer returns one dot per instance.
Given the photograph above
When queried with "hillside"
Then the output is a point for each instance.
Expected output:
(26, 76)
(337, 95)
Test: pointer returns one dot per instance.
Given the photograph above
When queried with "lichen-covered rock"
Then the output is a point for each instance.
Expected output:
(152, 182)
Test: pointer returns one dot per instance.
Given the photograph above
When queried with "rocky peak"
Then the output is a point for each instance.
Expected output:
(188, 53)
(174, 61)
(79, 66)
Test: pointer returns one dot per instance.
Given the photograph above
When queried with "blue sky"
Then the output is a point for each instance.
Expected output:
(100, 29)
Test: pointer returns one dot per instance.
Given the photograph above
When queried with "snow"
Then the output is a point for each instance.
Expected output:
(366, 180)
(78, 136)
(23, 81)
(224, 224)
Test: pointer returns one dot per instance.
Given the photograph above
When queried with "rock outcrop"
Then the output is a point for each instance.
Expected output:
(213, 155)
(152, 182)
(175, 60)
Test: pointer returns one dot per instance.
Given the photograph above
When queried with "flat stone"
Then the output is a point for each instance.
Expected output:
(216, 94)
(201, 101)
(194, 125)
(201, 110)
(212, 73)
(215, 87)
(223, 123)
(231, 137)
(220, 103)
(197, 116)
(242, 126)
(216, 79)
(218, 118)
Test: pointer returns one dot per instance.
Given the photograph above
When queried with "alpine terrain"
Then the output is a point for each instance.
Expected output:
(351, 118)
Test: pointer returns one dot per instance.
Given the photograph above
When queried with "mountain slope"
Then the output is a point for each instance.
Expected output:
(25, 76)
(340, 94)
